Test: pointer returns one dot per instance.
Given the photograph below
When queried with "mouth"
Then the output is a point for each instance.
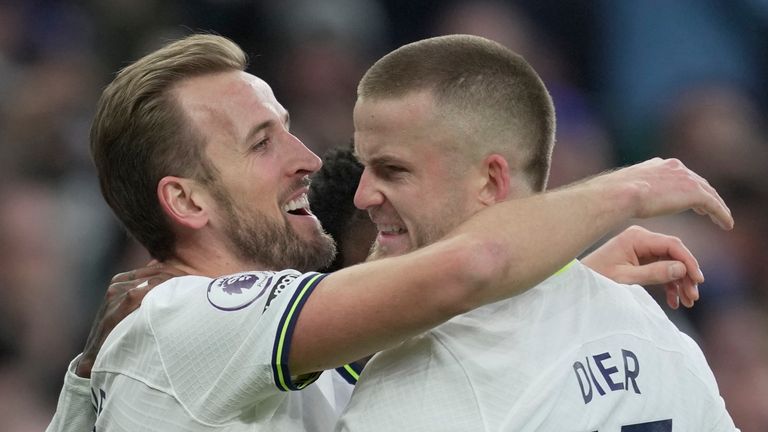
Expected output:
(390, 229)
(391, 239)
(298, 206)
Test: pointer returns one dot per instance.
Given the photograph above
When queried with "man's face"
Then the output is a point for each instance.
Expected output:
(262, 181)
(410, 186)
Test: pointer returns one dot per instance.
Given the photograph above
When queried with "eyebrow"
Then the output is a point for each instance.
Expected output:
(382, 160)
(264, 125)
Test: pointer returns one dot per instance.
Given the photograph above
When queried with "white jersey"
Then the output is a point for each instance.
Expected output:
(73, 410)
(576, 353)
(205, 354)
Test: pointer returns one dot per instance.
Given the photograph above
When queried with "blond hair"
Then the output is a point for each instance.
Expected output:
(140, 133)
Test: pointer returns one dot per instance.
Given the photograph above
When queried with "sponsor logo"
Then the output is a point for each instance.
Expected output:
(236, 292)
(279, 286)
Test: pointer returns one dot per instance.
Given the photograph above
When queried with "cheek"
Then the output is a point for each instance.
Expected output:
(440, 214)
(420, 217)
(261, 204)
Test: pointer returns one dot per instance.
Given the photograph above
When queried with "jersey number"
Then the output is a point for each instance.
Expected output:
(656, 426)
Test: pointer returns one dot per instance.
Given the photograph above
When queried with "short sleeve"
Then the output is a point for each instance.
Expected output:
(225, 350)
(74, 411)
(284, 334)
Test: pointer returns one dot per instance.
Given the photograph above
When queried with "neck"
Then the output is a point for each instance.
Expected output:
(209, 258)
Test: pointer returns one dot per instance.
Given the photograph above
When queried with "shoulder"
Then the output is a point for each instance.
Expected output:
(581, 281)
(238, 291)
(228, 293)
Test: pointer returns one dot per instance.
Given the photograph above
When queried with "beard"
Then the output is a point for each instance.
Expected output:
(258, 238)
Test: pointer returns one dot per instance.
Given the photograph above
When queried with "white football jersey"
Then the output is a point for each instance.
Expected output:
(577, 353)
(73, 410)
(206, 354)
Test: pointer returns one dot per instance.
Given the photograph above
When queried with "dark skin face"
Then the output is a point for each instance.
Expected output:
(356, 242)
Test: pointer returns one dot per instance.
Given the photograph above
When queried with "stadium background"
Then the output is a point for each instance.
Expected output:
(630, 79)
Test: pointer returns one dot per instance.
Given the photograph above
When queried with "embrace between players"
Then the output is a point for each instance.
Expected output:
(481, 317)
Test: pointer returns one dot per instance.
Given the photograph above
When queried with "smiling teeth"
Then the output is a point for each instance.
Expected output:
(391, 229)
(295, 204)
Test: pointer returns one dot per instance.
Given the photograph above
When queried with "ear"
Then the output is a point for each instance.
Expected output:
(496, 182)
(182, 201)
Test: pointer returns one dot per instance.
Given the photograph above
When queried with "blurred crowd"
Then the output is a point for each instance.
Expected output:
(630, 80)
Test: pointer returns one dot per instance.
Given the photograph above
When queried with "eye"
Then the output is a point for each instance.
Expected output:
(260, 146)
(390, 171)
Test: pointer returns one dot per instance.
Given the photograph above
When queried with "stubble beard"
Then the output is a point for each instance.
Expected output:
(259, 239)
(421, 238)
(423, 235)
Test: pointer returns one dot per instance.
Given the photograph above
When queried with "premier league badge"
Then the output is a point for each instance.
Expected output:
(235, 292)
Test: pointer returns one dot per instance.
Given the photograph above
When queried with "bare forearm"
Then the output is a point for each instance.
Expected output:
(499, 252)
(532, 237)
(529, 239)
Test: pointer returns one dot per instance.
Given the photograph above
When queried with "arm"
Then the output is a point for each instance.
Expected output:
(496, 254)
(639, 256)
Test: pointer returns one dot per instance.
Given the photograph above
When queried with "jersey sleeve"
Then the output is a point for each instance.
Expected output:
(284, 334)
(226, 350)
(74, 411)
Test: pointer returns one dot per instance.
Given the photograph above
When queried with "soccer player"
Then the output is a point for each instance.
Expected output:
(449, 128)
(195, 157)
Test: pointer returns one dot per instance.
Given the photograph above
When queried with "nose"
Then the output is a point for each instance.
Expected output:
(305, 161)
(367, 194)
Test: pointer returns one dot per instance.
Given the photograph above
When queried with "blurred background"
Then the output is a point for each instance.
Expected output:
(630, 80)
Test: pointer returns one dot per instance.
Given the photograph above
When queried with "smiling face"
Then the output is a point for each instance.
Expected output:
(262, 181)
(411, 186)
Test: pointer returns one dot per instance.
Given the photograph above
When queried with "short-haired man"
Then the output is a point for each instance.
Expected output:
(447, 129)
(634, 256)
(195, 157)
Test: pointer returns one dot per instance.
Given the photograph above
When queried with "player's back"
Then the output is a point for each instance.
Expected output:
(576, 353)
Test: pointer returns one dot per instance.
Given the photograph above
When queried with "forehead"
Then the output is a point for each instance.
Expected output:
(406, 127)
(228, 103)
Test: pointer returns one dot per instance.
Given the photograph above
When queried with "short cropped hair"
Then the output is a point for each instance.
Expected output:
(484, 88)
(140, 134)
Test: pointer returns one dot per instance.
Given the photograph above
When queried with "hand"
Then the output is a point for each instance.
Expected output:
(639, 256)
(663, 186)
(123, 296)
